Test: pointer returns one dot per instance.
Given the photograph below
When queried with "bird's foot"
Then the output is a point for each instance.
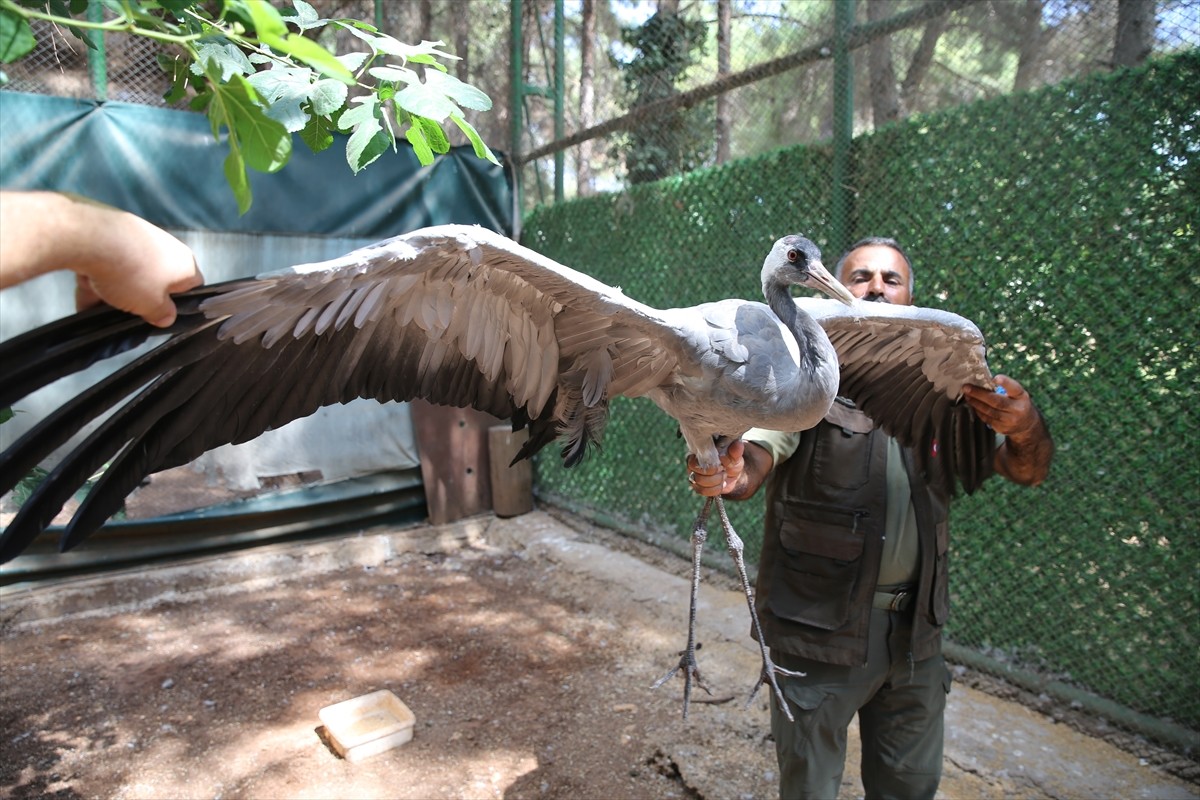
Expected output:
(687, 659)
(691, 675)
(769, 670)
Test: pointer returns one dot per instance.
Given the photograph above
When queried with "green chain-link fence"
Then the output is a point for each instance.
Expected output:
(1064, 221)
(1040, 192)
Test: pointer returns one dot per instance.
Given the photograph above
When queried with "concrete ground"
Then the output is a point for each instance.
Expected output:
(524, 646)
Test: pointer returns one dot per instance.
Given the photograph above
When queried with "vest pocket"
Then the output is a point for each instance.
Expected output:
(820, 554)
(842, 457)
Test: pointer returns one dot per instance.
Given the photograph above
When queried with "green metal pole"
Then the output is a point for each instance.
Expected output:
(559, 93)
(517, 77)
(97, 58)
(379, 14)
(843, 125)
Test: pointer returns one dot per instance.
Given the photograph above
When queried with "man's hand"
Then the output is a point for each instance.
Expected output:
(1027, 450)
(1009, 413)
(117, 257)
(716, 481)
(139, 272)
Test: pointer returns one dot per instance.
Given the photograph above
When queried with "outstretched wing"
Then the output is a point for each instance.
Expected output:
(905, 367)
(456, 315)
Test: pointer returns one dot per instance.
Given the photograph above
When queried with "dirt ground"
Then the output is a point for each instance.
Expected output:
(525, 647)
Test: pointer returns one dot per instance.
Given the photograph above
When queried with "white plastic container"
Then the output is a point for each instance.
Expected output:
(368, 725)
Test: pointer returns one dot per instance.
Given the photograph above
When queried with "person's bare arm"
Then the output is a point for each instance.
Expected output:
(1028, 449)
(743, 470)
(118, 257)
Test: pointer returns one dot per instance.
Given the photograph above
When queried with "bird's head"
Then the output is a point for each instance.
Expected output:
(795, 261)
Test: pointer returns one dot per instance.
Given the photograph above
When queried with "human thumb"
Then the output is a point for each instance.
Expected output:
(163, 315)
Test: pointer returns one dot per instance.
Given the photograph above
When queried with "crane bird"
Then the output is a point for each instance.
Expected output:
(461, 316)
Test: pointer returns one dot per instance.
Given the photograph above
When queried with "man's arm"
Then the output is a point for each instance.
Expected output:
(743, 469)
(1027, 451)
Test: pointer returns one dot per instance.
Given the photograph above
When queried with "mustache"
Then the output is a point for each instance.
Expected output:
(877, 298)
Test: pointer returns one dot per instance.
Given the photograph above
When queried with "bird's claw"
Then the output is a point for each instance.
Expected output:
(769, 670)
(691, 675)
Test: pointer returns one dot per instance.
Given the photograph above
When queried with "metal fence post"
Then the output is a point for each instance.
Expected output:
(97, 58)
(843, 124)
(559, 91)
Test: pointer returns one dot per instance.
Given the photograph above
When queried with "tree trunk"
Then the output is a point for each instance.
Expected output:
(426, 24)
(724, 22)
(885, 98)
(460, 12)
(587, 95)
(922, 60)
(1135, 32)
(1033, 40)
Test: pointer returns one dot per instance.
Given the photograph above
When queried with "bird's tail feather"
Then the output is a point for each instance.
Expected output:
(580, 426)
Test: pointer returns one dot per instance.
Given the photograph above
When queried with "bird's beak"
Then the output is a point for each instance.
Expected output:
(821, 279)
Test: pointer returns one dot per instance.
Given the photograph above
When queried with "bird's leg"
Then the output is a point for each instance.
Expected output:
(687, 660)
(769, 669)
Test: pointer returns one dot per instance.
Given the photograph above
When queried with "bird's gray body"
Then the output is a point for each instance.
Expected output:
(462, 316)
(751, 372)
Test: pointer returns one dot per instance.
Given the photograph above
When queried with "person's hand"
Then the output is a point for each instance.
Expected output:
(1010, 413)
(143, 266)
(118, 257)
(715, 481)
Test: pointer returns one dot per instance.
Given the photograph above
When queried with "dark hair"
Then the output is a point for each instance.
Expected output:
(878, 241)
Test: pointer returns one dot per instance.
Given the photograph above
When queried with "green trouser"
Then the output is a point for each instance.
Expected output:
(900, 706)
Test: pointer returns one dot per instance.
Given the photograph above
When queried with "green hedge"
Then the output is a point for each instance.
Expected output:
(1065, 223)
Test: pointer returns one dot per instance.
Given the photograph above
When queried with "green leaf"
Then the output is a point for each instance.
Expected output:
(317, 134)
(16, 37)
(327, 96)
(254, 139)
(481, 149)
(314, 55)
(5, 415)
(177, 68)
(268, 24)
(369, 140)
(361, 112)
(306, 16)
(433, 134)
(220, 54)
(426, 101)
(238, 180)
(464, 94)
(424, 53)
(352, 61)
(265, 142)
(201, 102)
(394, 74)
(285, 90)
(421, 147)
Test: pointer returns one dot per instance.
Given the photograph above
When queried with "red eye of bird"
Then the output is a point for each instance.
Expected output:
(793, 255)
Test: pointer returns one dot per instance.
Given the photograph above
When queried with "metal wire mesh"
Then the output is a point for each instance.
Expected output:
(1041, 195)
(1061, 217)
(126, 69)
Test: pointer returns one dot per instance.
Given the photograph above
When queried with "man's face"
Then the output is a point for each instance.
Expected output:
(878, 273)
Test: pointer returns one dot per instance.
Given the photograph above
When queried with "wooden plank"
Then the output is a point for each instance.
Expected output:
(453, 447)
(512, 487)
